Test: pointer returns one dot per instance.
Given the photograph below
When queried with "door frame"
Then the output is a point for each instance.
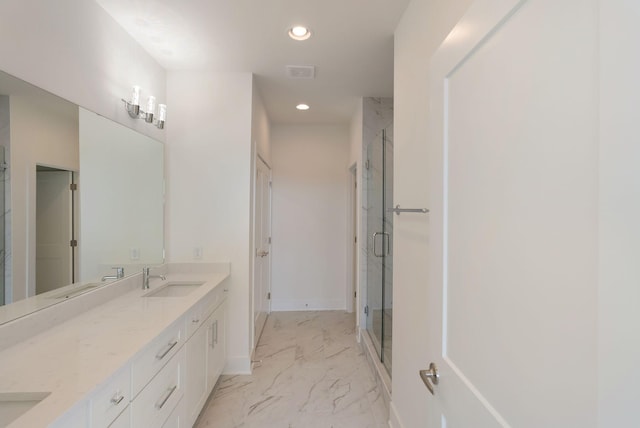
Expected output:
(351, 297)
(254, 278)
(73, 223)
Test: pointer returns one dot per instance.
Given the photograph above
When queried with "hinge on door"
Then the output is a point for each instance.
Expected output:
(366, 164)
(73, 243)
(269, 295)
(355, 294)
(355, 240)
(270, 183)
(366, 310)
(73, 186)
(269, 240)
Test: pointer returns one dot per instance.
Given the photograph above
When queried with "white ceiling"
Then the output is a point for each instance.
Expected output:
(351, 47)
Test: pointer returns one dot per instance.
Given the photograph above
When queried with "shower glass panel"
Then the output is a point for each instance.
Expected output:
(379, 175)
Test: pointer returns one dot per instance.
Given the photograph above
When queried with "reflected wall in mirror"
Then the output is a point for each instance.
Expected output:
(121, 197)
(115, 217)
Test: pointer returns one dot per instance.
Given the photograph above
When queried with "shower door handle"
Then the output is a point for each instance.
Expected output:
(388, 243)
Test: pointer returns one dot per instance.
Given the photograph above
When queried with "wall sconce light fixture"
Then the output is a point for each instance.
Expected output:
(134, 110)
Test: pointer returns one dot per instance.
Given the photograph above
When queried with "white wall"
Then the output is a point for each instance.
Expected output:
(310, 193)
(619, 211)
(355, 159)
(44, 131)
(260, 127)
(73, 49)
(355, 135)
(209, 173)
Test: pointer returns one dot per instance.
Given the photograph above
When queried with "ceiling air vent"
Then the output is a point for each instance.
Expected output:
(301, 71)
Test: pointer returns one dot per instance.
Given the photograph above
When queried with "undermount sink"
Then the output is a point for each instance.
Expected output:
(175, 289)
(74, 291)
(15, 404)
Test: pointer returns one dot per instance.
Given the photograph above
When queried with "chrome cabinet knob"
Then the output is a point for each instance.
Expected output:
(430, 377)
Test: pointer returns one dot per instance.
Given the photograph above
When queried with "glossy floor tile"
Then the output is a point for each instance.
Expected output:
(313, 374)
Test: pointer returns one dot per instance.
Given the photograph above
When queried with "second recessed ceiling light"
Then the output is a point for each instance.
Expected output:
(302, 107)
(299, 33)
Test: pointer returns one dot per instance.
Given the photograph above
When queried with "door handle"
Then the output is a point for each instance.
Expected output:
(430, 377)
(263, 253)
(388, 244)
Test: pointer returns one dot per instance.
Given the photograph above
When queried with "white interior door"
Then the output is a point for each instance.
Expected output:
(53, 230)
(513, 191)
(262, 244)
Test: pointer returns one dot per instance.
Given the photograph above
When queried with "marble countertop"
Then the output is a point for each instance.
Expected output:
(72, 359)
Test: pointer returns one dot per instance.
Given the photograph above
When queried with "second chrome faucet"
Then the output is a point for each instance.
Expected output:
(146, 276)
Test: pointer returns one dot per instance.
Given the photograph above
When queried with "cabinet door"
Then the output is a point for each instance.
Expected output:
(196, 392)
(177, 418)
(122, 421)
(216, 358)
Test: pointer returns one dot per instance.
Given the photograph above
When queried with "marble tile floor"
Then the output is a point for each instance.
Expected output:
(313, 374)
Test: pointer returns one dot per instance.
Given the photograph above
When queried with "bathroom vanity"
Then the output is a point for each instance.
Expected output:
(142, 358)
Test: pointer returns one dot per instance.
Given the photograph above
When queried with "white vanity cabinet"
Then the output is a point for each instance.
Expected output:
(109, 401)
(196, 393)
(156, 355)
(132, 362)
(217, 349)
(206, 354)
(155, 403)
(124, 420)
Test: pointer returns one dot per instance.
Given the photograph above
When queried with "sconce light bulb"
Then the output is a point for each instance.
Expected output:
(151, 104)
(135, 96)
(162, 112)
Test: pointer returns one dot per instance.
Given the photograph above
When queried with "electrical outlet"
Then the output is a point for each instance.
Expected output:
(134, 254)
(197, 253)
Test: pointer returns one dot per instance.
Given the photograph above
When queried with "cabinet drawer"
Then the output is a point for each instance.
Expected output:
(157, 400)
(111, 399)
(123, 421)
(216, 299)
(156, 355)
(203, 309)
(176, 419)
(195, 318)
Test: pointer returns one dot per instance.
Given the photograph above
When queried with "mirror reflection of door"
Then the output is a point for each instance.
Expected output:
(54, 229)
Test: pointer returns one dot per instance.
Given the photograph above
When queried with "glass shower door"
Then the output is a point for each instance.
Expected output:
(379, 173)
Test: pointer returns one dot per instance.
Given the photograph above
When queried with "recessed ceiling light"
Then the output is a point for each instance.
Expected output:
(299, 33)
(302, 107)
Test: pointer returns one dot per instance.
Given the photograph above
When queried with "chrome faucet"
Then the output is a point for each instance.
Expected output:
(146, 276)
(119, 274)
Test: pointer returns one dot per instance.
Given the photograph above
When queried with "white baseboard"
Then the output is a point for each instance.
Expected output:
(238, 366)
(394, 419)
(281, 305)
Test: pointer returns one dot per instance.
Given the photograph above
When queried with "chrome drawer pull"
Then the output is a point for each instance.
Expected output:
(117, 399)
(164, 399)
(170, 346)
